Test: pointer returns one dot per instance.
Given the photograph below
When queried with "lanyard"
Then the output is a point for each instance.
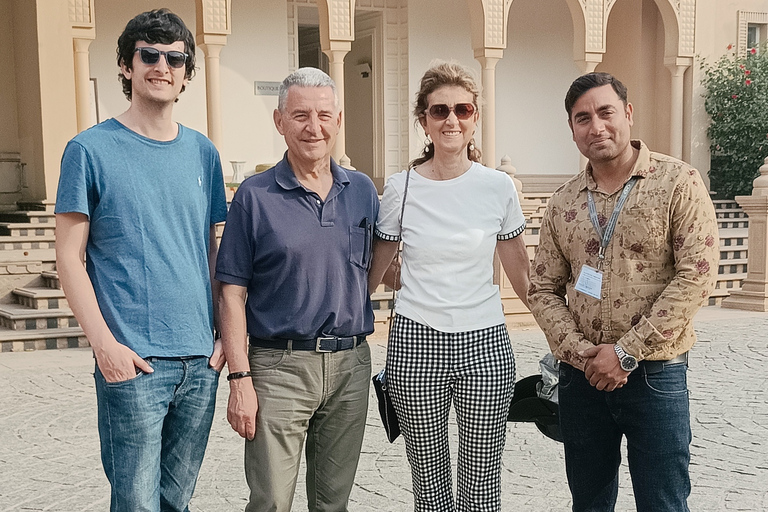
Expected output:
(608, 234)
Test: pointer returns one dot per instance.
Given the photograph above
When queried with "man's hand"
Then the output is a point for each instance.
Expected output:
(118, 363)
(217, 359)
(603, 369)
(242, 407)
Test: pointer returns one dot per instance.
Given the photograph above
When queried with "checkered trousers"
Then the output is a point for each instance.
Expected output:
(426, 371)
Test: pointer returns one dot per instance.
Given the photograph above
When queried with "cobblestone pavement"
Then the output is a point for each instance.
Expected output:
(49, 450)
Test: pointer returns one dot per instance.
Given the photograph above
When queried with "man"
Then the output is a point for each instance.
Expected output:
(138, 199)
(631, 242)
(297, 245)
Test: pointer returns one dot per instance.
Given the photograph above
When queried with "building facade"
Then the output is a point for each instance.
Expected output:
(60, 74)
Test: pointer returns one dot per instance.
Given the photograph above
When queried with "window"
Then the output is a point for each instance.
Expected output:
(753, 31)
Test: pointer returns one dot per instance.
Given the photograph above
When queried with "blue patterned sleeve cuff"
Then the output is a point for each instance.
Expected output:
(513, 234)
(386, 237)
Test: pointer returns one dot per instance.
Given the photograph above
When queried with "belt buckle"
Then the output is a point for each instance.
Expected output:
(319, 343)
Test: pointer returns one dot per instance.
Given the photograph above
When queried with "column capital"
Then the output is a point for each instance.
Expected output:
(489, 55)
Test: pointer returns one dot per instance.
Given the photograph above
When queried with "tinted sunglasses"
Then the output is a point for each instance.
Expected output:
(441, 111)
(151, 56)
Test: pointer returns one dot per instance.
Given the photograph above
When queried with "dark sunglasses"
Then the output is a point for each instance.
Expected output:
(151, 56)
(441, 111)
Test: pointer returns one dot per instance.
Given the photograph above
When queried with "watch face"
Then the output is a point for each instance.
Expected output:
(628, 363)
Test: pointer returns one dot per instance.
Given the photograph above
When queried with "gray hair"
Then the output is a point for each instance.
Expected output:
(305, 77)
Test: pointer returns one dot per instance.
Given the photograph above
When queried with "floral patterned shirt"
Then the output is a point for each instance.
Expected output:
(660, 265)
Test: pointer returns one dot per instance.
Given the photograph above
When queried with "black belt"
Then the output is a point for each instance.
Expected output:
(658, 366)
(319, 344)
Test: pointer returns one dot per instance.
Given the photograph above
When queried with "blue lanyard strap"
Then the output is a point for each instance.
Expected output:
(605, 237)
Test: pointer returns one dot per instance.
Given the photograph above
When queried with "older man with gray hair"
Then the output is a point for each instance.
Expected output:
(293, 264)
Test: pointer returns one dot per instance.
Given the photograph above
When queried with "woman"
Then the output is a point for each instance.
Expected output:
(449, 341)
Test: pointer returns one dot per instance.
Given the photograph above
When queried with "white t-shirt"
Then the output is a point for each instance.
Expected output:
(450, 229)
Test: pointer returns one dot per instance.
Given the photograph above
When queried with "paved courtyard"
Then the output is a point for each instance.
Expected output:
(49, 449)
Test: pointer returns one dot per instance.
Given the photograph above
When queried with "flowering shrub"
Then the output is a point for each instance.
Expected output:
(736, 100)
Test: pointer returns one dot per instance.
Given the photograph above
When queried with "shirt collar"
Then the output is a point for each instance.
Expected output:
(640, 169)
(286, 178)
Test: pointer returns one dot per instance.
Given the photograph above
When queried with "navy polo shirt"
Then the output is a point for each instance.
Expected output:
(304, 261)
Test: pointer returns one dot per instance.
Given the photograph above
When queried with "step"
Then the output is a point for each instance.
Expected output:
(46, 257)
(41, 297)
(22, 267)
(26, 229)
(51, 279)
(22, 318)
(36, 206)
(28, 217)
(381, 316)
(9, 243)
(47, 339)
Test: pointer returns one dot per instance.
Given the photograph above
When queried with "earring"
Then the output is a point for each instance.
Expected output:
(472, 145)
(427, 144)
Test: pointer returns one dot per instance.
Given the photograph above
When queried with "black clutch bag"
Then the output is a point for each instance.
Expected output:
(386, 409)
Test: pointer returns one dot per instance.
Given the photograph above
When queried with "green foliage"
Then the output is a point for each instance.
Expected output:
(736, 100)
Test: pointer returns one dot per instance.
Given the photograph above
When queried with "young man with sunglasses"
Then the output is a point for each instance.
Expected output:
(138, 199)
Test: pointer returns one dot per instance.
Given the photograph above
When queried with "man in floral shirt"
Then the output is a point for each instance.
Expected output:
(627, 255)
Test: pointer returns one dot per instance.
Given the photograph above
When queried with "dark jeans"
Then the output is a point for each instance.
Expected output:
(651, 410)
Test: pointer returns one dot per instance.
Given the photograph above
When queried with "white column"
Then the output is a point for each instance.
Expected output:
(211, 47)
(336, 54)
(677, 69)
(82, 82)
(488, 58)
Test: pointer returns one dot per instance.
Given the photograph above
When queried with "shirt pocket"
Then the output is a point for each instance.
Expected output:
(644, 238)
(360, 246)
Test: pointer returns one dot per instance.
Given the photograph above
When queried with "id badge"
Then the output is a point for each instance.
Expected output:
(590, 282)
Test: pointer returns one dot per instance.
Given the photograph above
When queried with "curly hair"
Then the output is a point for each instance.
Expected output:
(159, 26)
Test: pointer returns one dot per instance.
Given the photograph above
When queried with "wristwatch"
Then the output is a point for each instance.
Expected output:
(628, 362)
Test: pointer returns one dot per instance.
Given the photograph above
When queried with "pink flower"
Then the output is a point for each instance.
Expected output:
(661, 313)
(709, 241)
(748, 81)
(734, 96)
(747, 72)
(668, 333)
(729, 47)
(570, 215)
(741, 66)
(702, 266)
(753, 51)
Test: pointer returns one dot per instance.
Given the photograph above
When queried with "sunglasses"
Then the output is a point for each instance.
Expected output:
(151, 56)
(441, 111)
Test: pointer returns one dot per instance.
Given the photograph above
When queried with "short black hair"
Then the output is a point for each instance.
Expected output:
(589, 81)
(159, 26)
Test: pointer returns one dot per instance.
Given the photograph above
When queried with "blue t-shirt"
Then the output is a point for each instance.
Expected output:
(304, 261)
(150, 205)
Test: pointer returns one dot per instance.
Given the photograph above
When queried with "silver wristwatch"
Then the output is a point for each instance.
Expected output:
(628, 362)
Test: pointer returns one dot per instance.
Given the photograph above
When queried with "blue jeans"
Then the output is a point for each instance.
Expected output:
(154, 430)
(651, 410)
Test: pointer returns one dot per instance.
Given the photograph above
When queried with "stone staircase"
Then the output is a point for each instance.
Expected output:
(34, 313)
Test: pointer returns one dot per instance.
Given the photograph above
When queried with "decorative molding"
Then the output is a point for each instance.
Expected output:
(595, 12)
(340, 22)
(686, 19)
(496, 22)
(217, 17)
(81, 13)
(745, 18)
